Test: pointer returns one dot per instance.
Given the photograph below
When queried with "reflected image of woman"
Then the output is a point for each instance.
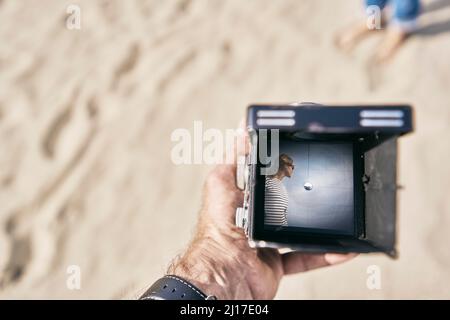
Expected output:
(276, 196)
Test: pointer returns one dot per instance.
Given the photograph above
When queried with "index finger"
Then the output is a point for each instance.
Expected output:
(294, 262)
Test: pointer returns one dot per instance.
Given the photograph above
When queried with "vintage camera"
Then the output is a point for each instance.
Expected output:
(330, 182)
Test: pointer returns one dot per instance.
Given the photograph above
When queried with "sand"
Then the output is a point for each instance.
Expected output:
(86, 115)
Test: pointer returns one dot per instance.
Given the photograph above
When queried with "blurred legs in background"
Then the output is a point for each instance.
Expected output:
(403, 22)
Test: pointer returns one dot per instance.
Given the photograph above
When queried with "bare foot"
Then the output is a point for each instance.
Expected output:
(393, 40)
(348, 38)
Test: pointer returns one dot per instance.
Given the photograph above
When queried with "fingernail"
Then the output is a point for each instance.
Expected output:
(335, 258)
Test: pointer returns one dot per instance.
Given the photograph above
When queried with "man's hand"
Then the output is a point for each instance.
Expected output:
(219, 260)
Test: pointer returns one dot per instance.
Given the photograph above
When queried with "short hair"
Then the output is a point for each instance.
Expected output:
(283, 161)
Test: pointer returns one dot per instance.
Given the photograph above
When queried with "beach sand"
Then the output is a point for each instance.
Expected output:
(86, 116)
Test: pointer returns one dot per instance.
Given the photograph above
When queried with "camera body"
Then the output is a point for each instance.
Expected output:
(322, 178)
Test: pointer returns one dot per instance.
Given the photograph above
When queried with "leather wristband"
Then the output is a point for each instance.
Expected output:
(172, 287)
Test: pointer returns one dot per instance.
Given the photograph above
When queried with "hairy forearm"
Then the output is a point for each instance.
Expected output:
(215, 265)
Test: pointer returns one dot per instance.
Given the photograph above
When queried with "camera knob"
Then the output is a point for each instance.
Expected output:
(241, 219)
(241, 172)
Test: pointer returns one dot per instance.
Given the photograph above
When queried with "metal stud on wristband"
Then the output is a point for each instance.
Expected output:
(172, 287)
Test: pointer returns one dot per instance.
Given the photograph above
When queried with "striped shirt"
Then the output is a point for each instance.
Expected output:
(275, 202)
